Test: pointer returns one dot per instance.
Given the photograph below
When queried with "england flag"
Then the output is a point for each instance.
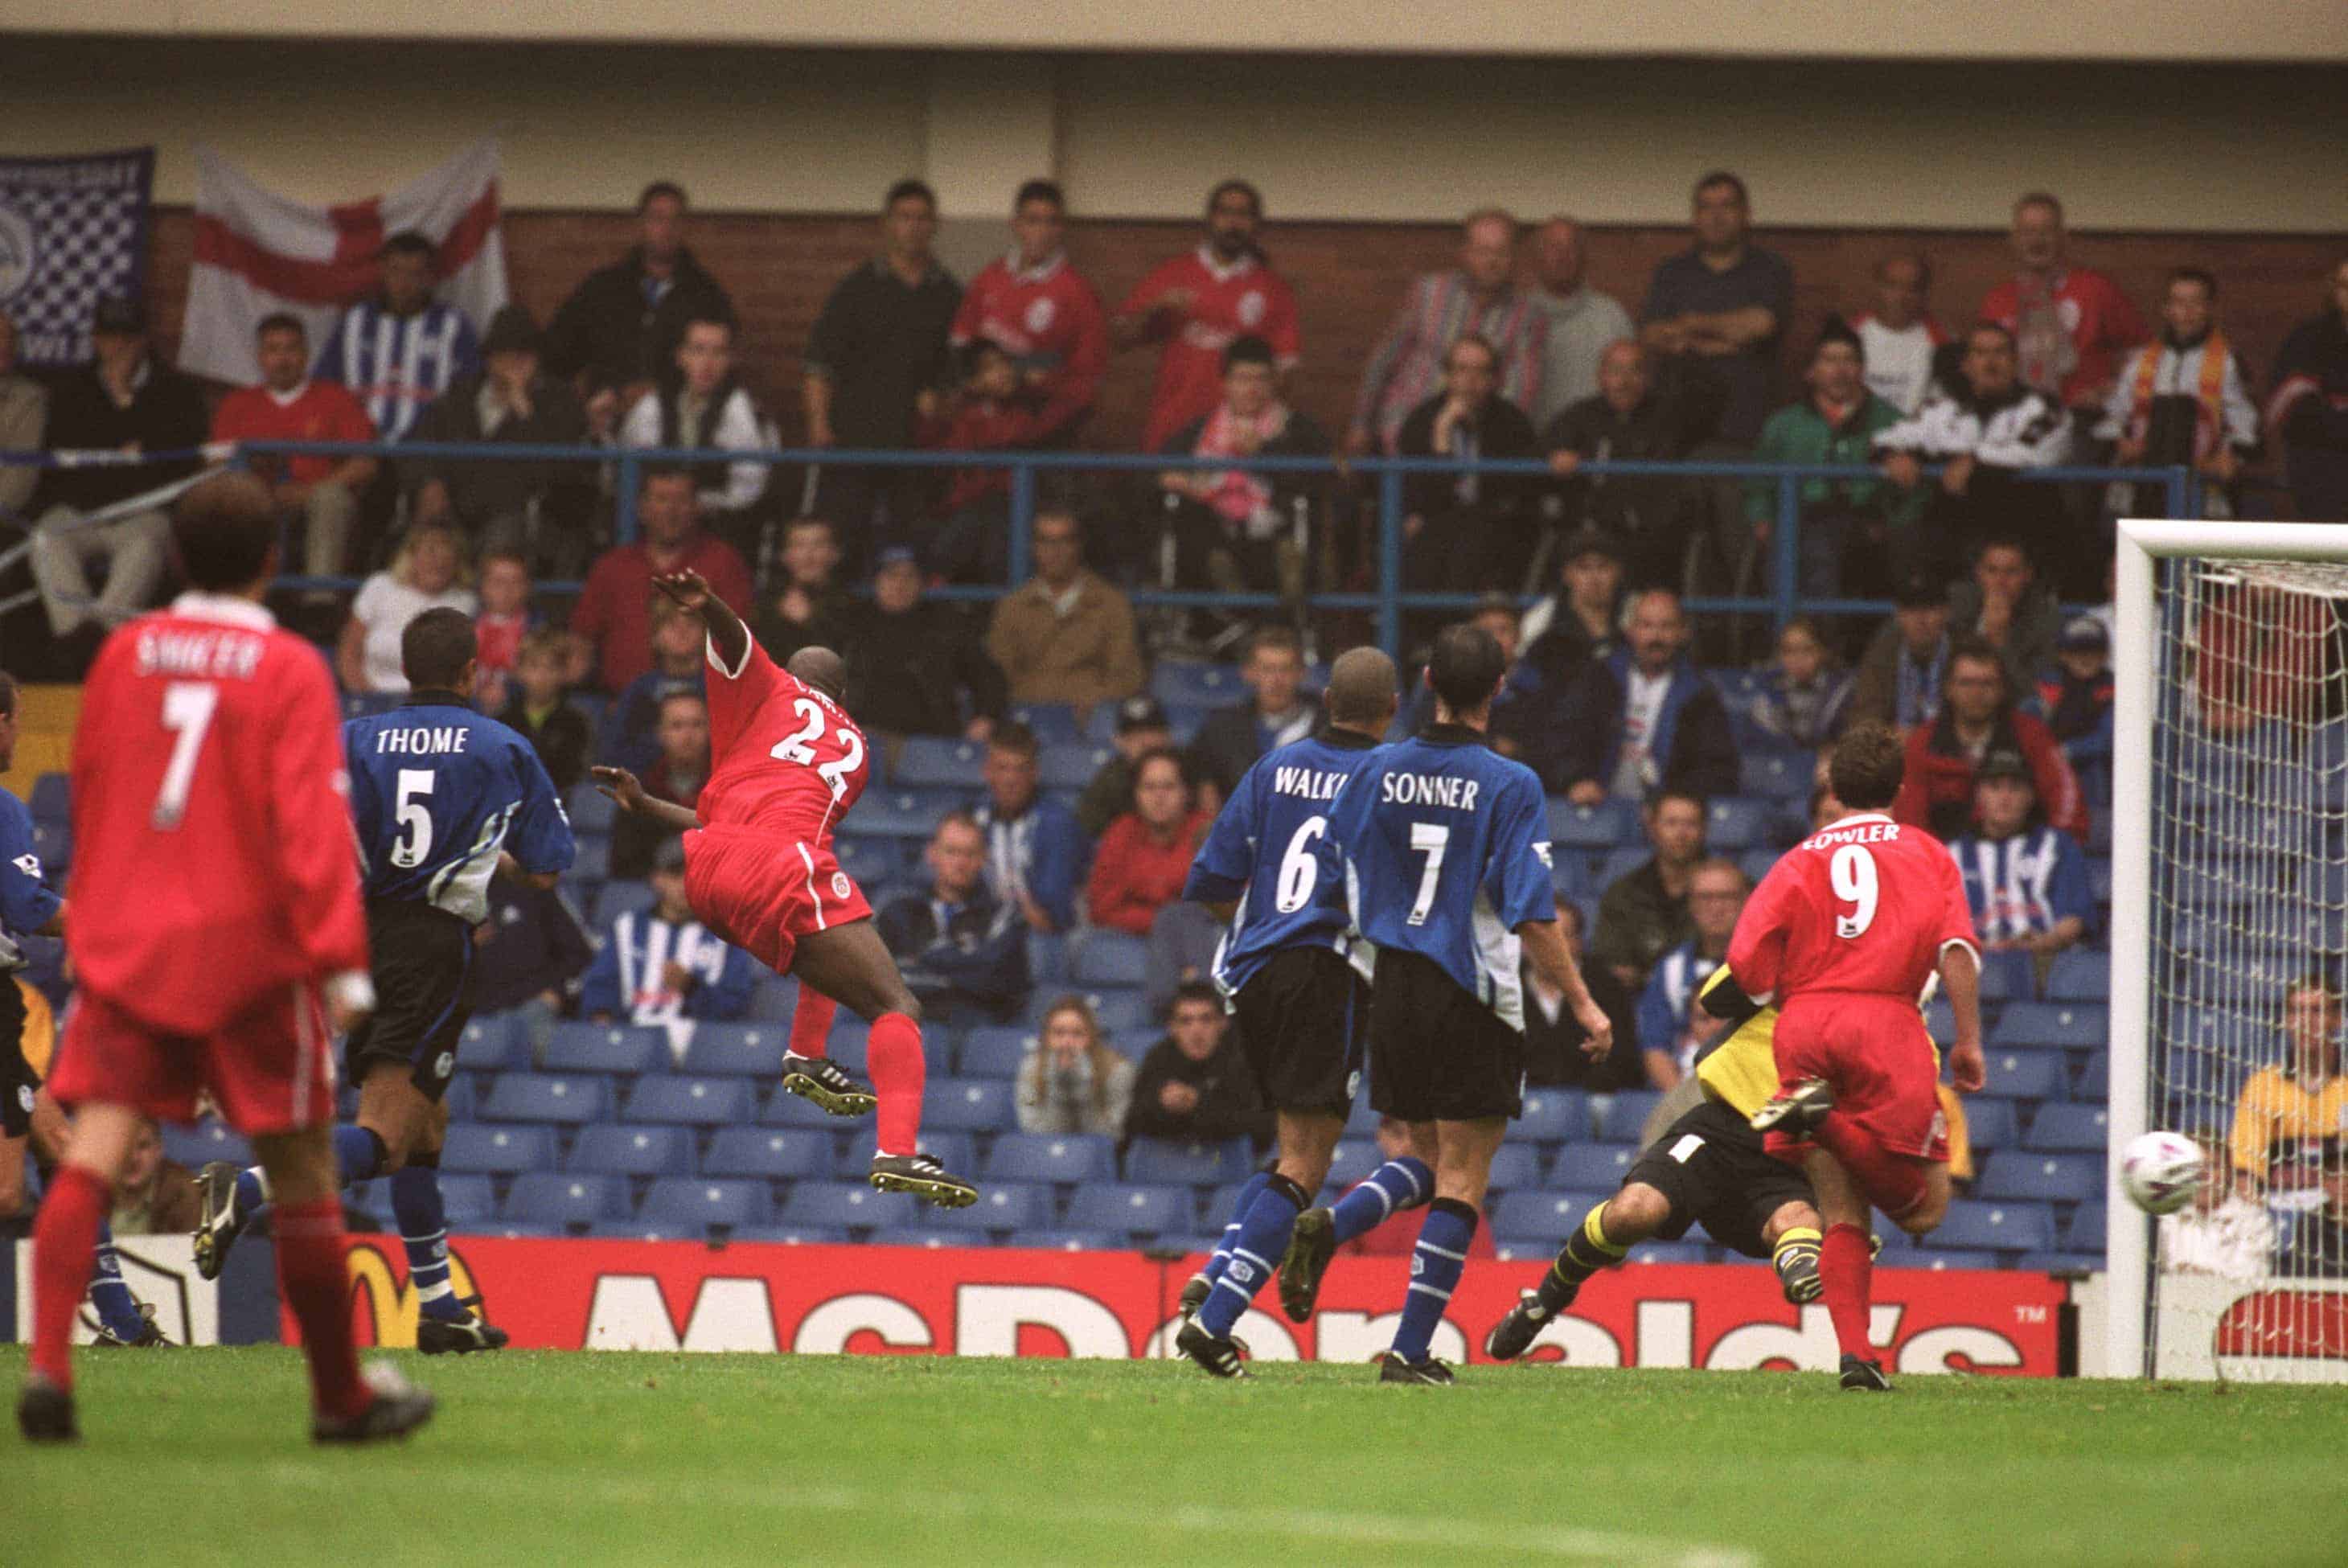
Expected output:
(258, 252)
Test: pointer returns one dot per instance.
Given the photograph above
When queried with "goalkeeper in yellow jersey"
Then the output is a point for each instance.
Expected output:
(1708, 1168)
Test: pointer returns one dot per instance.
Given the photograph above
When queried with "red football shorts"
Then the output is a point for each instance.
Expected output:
(763, 893)
(269, 1071)
(1884, 1069)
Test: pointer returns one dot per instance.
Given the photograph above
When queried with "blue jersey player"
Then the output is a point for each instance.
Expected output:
(1443, 848)
(1294, 976)
(442, 796)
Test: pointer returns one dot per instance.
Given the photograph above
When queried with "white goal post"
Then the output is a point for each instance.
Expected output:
(2229, 881)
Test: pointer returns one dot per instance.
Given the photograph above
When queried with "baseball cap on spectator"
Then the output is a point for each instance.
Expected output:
(2082, 635)
(513, 331)
(118, 314)
(670, 856)
(1141, 713)
(894, 555)
(2003, 762)
(1591, 541)
(1916, 589)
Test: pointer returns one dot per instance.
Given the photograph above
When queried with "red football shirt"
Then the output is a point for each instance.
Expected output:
(214, 862)
(1226, 301)
(320, 411)
(1049, 319)
(786, 760)
(614, 610)
(2101, 324)
(1867, 906)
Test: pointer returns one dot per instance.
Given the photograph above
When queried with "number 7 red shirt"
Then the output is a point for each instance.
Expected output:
(1867, 905)
(786, 759)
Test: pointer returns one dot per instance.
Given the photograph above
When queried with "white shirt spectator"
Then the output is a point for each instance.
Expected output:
(385, 605)
(1643, 705)
(2017, 431)
(2235, 1239)
(1899, 360)
(736, 427)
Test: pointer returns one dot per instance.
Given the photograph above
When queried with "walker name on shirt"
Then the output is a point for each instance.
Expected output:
(1864, 833)
(211, 656)
(1429, 789)
(1308, 783)
(422, 740)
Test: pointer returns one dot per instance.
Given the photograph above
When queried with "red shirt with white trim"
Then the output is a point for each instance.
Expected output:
(213, 859)
(1244, 298)
(2099, 320)
(314, 411)
(787, 760)
(1865, 905)
(1049, 320)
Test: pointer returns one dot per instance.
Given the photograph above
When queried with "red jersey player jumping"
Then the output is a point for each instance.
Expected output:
(219, 943)
(1845, 936)
(759, 871)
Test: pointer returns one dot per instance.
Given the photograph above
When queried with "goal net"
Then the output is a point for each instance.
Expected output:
(2231, 800)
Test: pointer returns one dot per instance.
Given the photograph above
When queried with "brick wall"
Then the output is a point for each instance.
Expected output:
(779, 267)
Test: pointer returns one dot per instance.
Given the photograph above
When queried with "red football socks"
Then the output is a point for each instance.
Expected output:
(1893, 1182)
(65, 1254)
(892, 1057)
(811, 1022)
(314, 1276)
(1846, 1263)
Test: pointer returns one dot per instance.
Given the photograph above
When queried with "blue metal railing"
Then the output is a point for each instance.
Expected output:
(2180, 486)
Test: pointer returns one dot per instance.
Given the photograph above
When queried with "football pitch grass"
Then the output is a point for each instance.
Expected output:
(199, 1456)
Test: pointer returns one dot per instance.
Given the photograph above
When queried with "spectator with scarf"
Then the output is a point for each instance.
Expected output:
(1233, 530)
(2184, 399)
(1479, 297)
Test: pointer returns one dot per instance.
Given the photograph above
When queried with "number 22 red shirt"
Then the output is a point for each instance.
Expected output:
(785, 758)
(1867, 905)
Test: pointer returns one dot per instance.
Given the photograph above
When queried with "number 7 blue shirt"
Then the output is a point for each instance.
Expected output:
(1442, 847)
(1262, 853)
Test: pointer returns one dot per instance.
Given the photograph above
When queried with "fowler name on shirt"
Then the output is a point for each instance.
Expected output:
(1442, 790)
(1308, 783)
(1857, 833)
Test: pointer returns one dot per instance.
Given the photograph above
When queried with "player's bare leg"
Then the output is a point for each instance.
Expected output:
(1463, 1172)
(849, 965)
(64, 1253)
(1846, 1268)
(809, 1071)
(1263, 1228)
(1607, 1234)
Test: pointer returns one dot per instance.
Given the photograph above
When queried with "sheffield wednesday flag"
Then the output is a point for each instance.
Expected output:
(73, 230)
(257, 254)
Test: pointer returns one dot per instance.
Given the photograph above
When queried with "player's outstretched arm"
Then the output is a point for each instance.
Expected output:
(1961, 978)
(726, 632)
(1552, 959)
(627, 793)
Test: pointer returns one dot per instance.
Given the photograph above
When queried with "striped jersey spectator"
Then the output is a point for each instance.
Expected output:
(1406, 368)
(662, 968)
(2027, 883)
(403, 348)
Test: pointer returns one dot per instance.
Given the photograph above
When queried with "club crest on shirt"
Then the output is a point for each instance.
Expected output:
(1040, 311)
(841, 885)
(1251, 308)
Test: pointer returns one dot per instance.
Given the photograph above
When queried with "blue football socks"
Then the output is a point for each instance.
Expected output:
(1263, 1231)
(1400, 1183)
(117, 1307)
(1436, 1264)
(1249, 1191)
(424, 1228)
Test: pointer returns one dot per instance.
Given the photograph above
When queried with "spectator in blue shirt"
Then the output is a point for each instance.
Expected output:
(963, 950)
(663, 967)
(1036, 852)
(1716, 898)
(2077, 698)
(1804, 697)
(2026, 882)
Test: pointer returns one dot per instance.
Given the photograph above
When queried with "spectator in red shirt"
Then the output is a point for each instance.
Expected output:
(2070, 324)
(1144, 856)
(1197, 304)
(1044, 315)
(615, 611)
(984, 416)
(287, 406)
(504, 618)
(1977, 718)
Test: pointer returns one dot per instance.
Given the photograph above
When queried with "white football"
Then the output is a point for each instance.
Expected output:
(2160, 1171)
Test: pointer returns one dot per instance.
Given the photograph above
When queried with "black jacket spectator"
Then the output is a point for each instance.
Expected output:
(1479, 531)
(1699, 755)
(636, 839)
(914, 673)
(957, 958)
(832, 614)
(166, 414)
(608, 330)
(1230, 739)
(1553, 1056)
(562, 738)
(1649, 517)
(1227, 1109)
(479, 493)
(530, 945)
(882, 343)
(2309, 409)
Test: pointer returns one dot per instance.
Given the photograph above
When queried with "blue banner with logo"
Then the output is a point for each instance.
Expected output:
(73, 230)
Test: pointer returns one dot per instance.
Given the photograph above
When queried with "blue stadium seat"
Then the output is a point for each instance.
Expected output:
(1991, 1123)
(1351, 1161)
(1361, 1121)
(2026, 1075)
(1195, 684)
(1054, 723)
(2060, 1263)
(464, 1200)
(1626, 1117)
(1068, 1240)
(1942, 1261)
(690, 1101)
(1974, 1224)
(838, 1204)
(476, 1149)
(1119, 1009)
(53, 843)
(954, 1150)
(2079, 975)
(1012, 1206)
(773, 999)
(1516, 1165)
(196, 1147)
(930, 1234)
(1757, 863)
(610, 1149)
(1071, 766)
(52, 798)
(694, 1203)
(932, 761)
(2057, 1128)
(869, 861)
(768, 1153)
(2095, 1079)
(1599, 826)
(789, 1236)
(591, 860)
(2026, 1173)
(1542, 1218)
(2008, 977)
(1105, 958)
(1047, 957)
(1592, 1166)
(1551, 1116)
(492, 1042)
(615, 899)
(1670, 1253)
(2084, 1232)
(458, 1098)
(993, 1051)
(1022, 1157)
(970, 1105)
(2054, 1024)
(591, 810)
(1142, 1211)
(896, 814)
(1784, 775)
(546, 1198)
(1197, 1164)
(1735, 823)
(618, 1049)
(735, 1050)
(546, 1097)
